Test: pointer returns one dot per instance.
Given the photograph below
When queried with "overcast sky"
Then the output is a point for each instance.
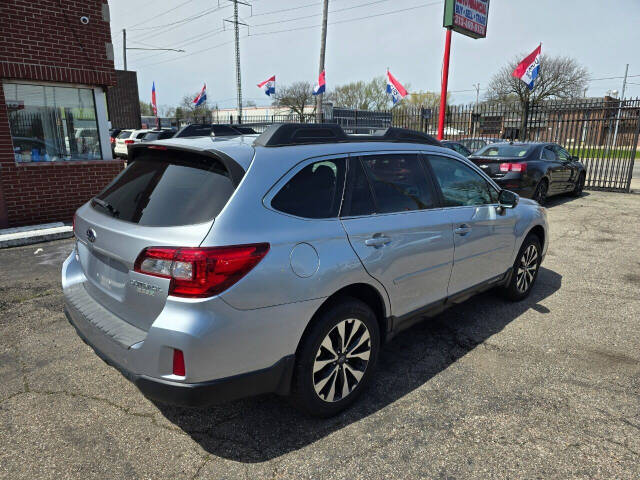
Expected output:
(602, 35)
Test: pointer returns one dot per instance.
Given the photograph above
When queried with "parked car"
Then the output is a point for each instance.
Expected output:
(534, 170)
(125, 139)
(475, 144)
(456, 147)
(113, 135)
(216, 268)
(216, 130)
(160, 134)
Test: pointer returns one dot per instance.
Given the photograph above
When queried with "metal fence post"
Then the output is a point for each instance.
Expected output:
(634, 151)
(525, 121)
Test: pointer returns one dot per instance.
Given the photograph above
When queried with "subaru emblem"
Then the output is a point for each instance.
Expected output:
(91, 235)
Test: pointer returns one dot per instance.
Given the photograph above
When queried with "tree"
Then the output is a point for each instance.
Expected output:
(187, 108)
(425, 99)
(558, 78)
(145, 109)
(295, 97)
(362, 95)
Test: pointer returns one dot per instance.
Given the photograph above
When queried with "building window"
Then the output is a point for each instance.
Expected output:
(52, 124)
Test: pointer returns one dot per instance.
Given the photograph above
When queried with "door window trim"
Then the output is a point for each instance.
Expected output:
(429, 181)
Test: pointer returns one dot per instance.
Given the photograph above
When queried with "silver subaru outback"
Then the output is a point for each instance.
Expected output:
(213, 269)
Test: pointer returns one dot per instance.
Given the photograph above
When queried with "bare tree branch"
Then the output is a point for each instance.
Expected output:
(295, 97)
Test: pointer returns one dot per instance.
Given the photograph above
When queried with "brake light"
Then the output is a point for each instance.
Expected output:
(157, 147)
(113, 140)
(178, 363)
(513, 167)
(128, 142)
(200, 272)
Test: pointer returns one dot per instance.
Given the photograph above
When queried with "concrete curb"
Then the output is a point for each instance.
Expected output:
(15, 237)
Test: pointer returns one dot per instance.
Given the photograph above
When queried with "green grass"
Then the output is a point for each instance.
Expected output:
(602, 152)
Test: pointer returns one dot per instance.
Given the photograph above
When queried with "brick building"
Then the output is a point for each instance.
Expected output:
(56, 63)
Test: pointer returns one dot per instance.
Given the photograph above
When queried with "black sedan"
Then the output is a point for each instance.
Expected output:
(456, 146)
(533, 170)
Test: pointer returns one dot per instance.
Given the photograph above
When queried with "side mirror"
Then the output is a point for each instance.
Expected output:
(508, 199)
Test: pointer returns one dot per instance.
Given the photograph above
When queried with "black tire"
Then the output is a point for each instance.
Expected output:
(346, 312)
(540, 193)
(577, 191)
(514, 289)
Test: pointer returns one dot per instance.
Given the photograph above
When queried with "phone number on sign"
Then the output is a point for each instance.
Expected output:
(470, 25)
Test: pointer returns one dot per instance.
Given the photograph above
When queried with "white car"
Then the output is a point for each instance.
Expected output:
(126, 138)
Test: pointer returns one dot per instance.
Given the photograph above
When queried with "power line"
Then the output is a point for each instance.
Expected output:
(185, 20)
(160, 14)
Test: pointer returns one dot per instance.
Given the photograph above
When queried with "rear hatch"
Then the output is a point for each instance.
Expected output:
(165, 197)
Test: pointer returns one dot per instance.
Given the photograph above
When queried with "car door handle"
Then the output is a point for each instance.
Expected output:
(378, 241)
(462, 229)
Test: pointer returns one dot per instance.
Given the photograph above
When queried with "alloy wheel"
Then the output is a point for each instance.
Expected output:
(540, 194)
(527, 269)
(341, 360)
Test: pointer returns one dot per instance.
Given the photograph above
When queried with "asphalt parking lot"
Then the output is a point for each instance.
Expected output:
(546, 388)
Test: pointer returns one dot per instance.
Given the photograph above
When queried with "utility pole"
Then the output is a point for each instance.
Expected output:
(236, 25)
(477, 87)
(323, 47)
(124, 48)
(620, 102)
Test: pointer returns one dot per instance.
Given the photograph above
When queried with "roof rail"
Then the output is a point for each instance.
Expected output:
(286, 134)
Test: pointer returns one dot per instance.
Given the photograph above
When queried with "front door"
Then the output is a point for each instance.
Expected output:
(483, 238)
(401, 239)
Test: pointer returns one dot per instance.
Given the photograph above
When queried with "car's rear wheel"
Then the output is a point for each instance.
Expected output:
(540, 193)
(577, 191)
(336, 359)
(525, 269)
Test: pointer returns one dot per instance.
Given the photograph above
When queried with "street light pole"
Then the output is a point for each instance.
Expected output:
(124, 48)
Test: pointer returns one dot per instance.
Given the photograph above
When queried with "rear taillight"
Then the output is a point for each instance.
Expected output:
(113, 140)
(513, 167)
(128, 142)
(200, 272)
(178, 363)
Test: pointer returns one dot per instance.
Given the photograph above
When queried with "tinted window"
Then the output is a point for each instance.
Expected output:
(562, 154)
(313, 192)
(124, 134)
(461, 149)
(149, 136)
(357, 198)
(548, 154)
(398, 182)
(460, 185)
(505, 150)
(168, 190)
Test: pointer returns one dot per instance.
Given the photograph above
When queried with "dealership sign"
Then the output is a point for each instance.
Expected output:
(468, 17)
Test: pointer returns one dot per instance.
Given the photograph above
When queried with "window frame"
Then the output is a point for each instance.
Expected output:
(292, 172)
(102, 124)
(490, 183)
(429, 181)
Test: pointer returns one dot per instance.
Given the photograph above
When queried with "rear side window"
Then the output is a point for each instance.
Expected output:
(357, 198)
(399, 183)
(548, 154)
(171, 189)
(124, 134)
(313, 192)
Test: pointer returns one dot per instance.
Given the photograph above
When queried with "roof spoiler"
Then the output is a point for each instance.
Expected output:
(286, 134)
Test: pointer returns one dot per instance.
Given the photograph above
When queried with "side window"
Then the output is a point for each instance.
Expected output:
(313, 192)
(460, 185)
(561, 153)
(357, 198)
(548, 154)
(398, 181)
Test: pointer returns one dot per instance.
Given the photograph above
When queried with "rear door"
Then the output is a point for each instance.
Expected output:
(483, 239)
(558, 173)
(391, 221)
(163, 198)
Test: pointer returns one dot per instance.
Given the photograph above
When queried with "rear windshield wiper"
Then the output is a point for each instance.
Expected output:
(106, 206)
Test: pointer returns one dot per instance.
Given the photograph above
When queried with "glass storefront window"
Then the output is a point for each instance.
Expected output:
(51, 124)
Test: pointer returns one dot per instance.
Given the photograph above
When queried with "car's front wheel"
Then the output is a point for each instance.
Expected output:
(577, 191)
(525, 269)
(336, 358)
(540, 193)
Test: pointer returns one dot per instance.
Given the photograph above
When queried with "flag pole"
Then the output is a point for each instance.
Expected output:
(445, 81)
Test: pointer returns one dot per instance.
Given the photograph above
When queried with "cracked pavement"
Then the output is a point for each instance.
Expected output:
(545, 388)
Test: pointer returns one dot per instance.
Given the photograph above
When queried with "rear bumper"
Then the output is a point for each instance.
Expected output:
(521, 186)
(274, 379)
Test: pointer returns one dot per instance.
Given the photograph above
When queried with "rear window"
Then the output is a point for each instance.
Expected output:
(157, 135)
(504, 150)
(167, 190)
(313, 192)
(124, 134)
